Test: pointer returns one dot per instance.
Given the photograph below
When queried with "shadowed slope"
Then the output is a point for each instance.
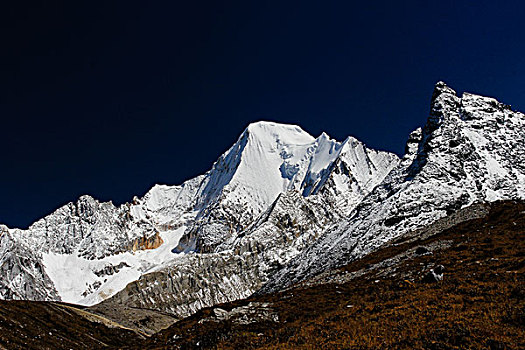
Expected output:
(49, 325)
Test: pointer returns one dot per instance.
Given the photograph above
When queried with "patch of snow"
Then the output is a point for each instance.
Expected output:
(73, 275)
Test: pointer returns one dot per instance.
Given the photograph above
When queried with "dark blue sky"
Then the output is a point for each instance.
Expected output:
(108, 99)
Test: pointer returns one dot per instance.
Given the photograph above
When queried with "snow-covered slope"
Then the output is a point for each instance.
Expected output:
(472, 149)
(87, 251)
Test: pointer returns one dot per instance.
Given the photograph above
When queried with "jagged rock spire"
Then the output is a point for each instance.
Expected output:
(444, 102)
(440, 88)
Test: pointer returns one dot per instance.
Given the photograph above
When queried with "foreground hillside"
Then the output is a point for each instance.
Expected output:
(451, 285)
(50, 325)
(390, 298)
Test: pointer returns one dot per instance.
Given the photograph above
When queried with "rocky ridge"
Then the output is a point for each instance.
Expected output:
(470, 151)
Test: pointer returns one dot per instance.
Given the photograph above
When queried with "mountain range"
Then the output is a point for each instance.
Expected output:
(278, 208)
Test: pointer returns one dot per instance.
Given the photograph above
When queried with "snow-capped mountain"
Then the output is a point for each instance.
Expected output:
(276, 208)
(87, 251)
(469, 151)
(269, 159)
(472, 149)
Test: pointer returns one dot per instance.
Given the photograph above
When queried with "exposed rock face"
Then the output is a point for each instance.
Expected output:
(483, 285)
(144, 242)
(22, 276)
(471, 150)
(247, 314)
(434, 275)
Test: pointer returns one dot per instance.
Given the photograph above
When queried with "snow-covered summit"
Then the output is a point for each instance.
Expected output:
(269, 159)
(267, 131)
(252, 164)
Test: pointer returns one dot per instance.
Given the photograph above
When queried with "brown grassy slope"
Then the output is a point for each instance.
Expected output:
(479, 304)
(46, 325)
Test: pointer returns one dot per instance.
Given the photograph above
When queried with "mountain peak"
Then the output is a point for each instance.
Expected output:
(442, 87)
(283, 133)
(444, 101)
(268, 124)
